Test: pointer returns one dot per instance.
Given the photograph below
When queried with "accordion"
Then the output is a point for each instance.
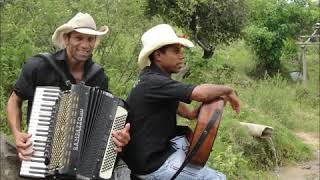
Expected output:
(71, 133)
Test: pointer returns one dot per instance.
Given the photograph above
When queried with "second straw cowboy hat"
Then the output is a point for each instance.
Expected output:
(157, 37)
(82, 23)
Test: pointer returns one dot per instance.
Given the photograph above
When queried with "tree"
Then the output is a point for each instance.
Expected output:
(272, 23)
(210, 22)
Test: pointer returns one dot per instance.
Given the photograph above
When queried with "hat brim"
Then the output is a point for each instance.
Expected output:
(57, 37)
(144, 60)
(103, 30)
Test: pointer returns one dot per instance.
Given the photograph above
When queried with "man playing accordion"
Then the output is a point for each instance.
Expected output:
(77, 39)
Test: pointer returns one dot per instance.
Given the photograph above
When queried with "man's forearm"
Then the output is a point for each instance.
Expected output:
(208, 92)
(14, 113)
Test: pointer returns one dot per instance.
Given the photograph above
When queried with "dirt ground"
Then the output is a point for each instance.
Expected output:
(309, 170)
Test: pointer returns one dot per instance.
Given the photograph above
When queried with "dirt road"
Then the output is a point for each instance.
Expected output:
(309, 170)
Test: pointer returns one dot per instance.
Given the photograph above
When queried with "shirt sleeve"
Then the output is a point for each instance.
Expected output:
(25, 84)
(164, 88)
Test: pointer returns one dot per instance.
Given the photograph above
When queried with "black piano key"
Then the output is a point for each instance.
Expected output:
(42, 109)
(38, 145)
(49, 91)
(48, 99)
(45, 116)
(47, 105)
(49, 95)
(45, 120)
(36, 172)
(40, 141)
(43, 135)
(39, 161)
(41, 130)
(40, 168)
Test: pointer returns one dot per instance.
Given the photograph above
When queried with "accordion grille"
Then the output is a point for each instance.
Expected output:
(60, 136)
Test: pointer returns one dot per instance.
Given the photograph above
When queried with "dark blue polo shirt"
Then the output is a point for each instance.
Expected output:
(153, 106)
(38, 72)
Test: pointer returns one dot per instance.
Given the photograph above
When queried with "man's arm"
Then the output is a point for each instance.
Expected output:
(208, 92)
(22, 140)
(185, 112)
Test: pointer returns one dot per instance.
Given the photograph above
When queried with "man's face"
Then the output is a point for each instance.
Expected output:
(79, 46)
(171, 61)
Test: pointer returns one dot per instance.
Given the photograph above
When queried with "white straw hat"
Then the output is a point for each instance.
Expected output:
(82, 23)
(157, 37)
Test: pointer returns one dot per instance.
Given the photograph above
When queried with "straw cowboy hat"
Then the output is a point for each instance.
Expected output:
(82, 23)
(157, 37)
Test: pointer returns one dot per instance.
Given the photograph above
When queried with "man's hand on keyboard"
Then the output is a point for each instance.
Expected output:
(23, 145)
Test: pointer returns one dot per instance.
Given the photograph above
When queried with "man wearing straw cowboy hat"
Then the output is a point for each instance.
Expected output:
(157, 148)
(77, 39)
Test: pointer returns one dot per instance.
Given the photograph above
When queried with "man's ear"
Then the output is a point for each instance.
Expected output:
(157, 55)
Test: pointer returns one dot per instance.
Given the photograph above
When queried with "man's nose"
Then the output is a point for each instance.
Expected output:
(85, 43)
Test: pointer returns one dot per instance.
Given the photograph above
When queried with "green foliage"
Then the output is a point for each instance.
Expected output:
(272, 23)
(289, 56)
(212, 22)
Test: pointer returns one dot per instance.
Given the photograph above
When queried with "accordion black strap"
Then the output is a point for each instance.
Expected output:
(95, 68)
(49, 59)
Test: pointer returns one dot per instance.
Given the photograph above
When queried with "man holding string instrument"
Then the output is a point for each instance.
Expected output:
(157, 149)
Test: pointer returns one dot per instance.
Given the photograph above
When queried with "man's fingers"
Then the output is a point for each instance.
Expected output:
(121, 137)
(118, 144)
(29, 135)
(22, 157)
(25, 154)
(127, 127)
(24, 144)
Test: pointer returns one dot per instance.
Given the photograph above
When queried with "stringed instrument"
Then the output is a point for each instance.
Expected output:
(206, 131)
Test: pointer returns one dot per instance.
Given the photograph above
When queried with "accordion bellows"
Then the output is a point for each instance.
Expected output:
(79, 141)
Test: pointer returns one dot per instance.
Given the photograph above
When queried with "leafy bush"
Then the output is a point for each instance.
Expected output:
(273, 22)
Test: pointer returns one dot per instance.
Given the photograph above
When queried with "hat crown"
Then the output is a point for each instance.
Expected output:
(157, 37)
(159, 33)
(82, 23)
(82, 20)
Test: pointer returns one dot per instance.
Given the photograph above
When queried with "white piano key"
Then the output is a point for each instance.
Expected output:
(32, 165)
(38, 153)
(27, 171)
(45, 99)
(39, 112)
(39, 138)
(39, 103)
(48, 93)
(34, 126)
(36, 117)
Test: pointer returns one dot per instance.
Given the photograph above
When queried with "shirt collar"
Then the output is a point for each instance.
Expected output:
(154, 68)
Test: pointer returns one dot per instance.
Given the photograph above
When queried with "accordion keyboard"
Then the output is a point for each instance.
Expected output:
(44, 102)
(110, 154)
